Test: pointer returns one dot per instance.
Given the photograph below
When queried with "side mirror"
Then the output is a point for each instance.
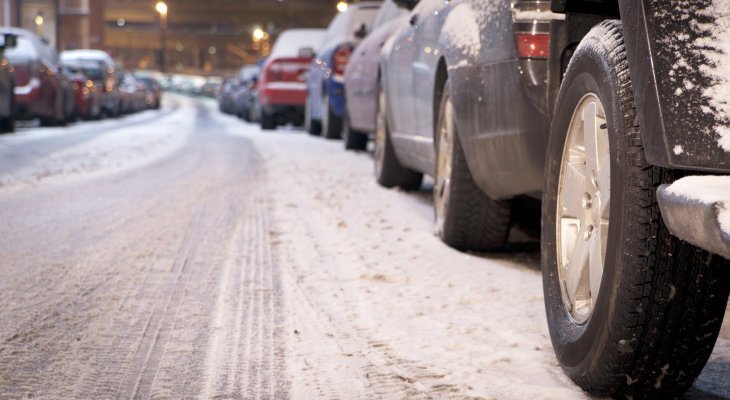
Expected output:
(306, 52)
(8, 41)
(361, 32)
(407, 4)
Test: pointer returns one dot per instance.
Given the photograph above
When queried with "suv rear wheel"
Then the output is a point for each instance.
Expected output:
(632, 310)
(331, 123)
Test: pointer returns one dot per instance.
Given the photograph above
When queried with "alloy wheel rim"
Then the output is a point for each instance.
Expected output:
(380, 132)
(583, 208)
(444, 157)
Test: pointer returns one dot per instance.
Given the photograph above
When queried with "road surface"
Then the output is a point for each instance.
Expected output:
(182, 253)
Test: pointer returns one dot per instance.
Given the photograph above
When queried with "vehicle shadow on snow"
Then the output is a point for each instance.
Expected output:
(712, 383)
(523, 244)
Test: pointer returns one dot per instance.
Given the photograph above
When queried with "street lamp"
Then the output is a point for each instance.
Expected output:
(161, 8)
(342, 6)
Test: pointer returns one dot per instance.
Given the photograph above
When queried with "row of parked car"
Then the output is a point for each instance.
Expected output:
(38, 83)
(591, 109)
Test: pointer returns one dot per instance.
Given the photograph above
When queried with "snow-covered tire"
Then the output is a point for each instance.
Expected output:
(353, 139)
(651, 326)
(312, 126)
(388, 170)
(268, 121)
(466, 218)
(331, 123)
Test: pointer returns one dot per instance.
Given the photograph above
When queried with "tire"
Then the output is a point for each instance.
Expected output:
(388, 170)
(268, 121)
(7, 125)
(646, 324)
(466, 218)
(353, 139)
(312, 126)
(331, 123)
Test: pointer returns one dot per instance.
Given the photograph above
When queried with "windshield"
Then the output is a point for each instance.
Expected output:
(24, 52)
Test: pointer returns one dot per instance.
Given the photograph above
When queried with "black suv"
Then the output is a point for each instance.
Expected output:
(636, 224)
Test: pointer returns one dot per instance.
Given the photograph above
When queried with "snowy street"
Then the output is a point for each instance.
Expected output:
(183, 253)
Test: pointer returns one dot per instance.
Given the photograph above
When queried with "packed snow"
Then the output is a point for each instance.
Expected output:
(262, 262)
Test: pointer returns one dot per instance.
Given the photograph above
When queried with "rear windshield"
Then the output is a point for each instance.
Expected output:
(25, 51)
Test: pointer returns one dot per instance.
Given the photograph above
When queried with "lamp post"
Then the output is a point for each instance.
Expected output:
(161, 8)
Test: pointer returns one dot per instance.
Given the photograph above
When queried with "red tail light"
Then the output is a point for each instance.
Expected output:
(533, 45)
(340, 60)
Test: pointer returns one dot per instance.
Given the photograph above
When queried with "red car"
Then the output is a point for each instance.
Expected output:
(38, 81)
(282, 86)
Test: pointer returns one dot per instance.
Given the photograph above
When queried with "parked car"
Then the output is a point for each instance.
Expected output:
(7, 85)
(38, 80)
(87, 94)
(325, 83)
(226, 100)
(153, 92)
(102, 70)
(282, 90)
(248, 77)
(362, 78)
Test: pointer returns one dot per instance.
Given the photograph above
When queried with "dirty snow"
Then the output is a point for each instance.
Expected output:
(461, 30)
(250, 264)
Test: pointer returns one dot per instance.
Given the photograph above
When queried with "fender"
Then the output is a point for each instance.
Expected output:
(671, 74)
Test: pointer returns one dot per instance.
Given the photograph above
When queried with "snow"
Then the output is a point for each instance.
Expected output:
(291, 41)
(710, 190)
(462, 30)
(127, 144)
(716, 48)
(375, 305)
(678, 150)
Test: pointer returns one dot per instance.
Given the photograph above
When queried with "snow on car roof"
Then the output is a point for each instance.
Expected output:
(97, 55)
(291, 41)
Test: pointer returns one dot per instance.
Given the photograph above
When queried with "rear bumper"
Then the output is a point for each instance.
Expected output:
(696, 209)
(283, 93)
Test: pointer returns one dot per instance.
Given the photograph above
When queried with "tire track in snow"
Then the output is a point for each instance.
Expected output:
(246, 358)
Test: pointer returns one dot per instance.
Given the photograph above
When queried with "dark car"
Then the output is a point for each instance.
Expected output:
(100, 68)
(226, 96)
(244, 95)
(325, 83)
(362, 78)
(282, 90)
(636, 237)
(7, 85)
(87, 94)
(153, 92)
(39, 90)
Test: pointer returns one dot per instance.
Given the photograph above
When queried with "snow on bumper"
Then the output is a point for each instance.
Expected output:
(697, 210)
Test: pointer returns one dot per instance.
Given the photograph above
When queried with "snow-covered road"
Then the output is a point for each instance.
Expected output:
(186, 254)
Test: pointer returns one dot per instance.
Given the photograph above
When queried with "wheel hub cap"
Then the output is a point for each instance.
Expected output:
(583, 208)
